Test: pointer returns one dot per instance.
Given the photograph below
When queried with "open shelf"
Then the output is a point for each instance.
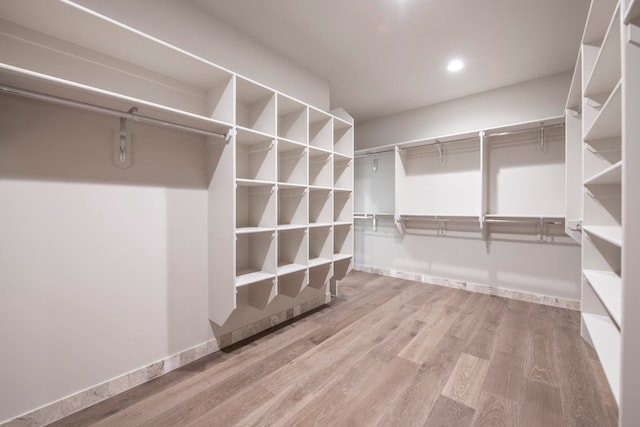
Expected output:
(611, 175)
(607, 121)
(320, 168)
(342, 242)
(320, 246)
(255, 258)
(342, 137)
(292, 206)
(526, 174)
(606, 70)
(343, 172)
(255, 156)
(608, 286)
(320, 129)
(255, 205)
(606, 340)
(632, 14)
(342, 206)
(292, 251)
(320, 206)
(255, 106)
(292, 163)
(292, 119)
(597, 23)
(610, 234)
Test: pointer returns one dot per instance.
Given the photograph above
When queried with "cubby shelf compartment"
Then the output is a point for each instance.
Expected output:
(320, 246)
(292, 119)
(608, 286)
(255, 204)
(320, 129)
(320, 206)
(342, 206)
(255, 258)
(605, 337)
(632, 14)
(606, 70)
(611, 175)
(255, 156)
(343, 172)
(292, 206)
(292, 251)
(607, 121)
(255, 106)
(342, 137)
(342, 241)
(292, 162)
(320, 168)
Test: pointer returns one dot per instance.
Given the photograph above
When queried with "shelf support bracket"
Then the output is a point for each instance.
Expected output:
(440, 150)
(123, 141)
(542, 147)
(374, 223)
(542, 228)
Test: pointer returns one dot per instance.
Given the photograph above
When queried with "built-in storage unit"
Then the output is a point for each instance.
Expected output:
(274, 161)
(502, 181)
(604, 101)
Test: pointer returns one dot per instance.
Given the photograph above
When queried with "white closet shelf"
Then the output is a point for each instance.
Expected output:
(339, 123)
(241, 182)
(285, 144)
(551, 217)
(342, 190)
(608, 286)
(597, 22)
(320, 188)
(317, 151)
(285, 269)
(341, 256)
(251, 230)
(320, 224)
(342, 223)
(606, 340)
(342, 157)
(611, 234)
(246, 136)
(606, 70)
(248, 277)
(575, 90)
(611, 175)
(286, 227)
(607, 123)
(74, 91)
(286, 185)
(317, 262)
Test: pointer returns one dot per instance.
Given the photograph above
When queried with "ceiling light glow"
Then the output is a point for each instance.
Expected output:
(455, 65)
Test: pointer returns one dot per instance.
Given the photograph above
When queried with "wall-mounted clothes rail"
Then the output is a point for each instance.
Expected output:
(525, 130)
(540, 222)
(373, 217)
(391, 150)
(438, 142)
(131, 114)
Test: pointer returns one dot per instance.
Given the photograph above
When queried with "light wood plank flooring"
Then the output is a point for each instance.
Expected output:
(387, 352)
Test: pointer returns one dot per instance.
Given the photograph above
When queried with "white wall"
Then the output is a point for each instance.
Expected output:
(532, 100)
(185, 25)
(509, 261)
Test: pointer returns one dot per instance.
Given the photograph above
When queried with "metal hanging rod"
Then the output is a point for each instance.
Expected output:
(523, 221)
(391, 150)
(438, 143)
(514, 132)
(131, 114)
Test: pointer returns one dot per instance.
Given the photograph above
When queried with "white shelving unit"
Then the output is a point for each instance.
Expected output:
(609, 92)
(273, 157)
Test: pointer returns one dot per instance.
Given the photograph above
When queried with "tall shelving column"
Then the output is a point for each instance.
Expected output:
(602, 165)
(629, 413)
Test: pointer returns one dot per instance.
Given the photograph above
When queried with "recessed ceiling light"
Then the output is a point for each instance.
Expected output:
(455, 65)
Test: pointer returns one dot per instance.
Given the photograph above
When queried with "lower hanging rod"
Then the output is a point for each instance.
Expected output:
(111, 112)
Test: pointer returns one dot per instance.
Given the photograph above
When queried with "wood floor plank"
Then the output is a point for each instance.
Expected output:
(496, 411)
(415, 404)
(481, 343)
(466, 380)
(381, 394)
(539, 361)
(582, 404)
(436, 325)
(341, 365)
(540, 405)
(449, 413)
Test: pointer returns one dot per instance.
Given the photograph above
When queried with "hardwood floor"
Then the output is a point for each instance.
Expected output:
(387, 352)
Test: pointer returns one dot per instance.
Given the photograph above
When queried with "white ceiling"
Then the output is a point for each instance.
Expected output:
(386, 56)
